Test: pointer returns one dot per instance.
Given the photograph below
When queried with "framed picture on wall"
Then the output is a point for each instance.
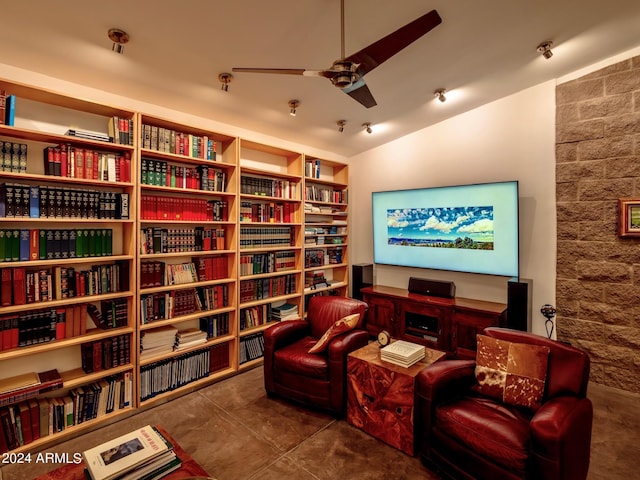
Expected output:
(629, 217)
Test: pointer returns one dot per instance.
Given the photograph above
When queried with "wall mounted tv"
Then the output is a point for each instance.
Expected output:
(464, 228)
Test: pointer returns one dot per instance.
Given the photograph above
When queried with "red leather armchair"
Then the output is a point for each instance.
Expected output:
(471, 436)
(314, 379)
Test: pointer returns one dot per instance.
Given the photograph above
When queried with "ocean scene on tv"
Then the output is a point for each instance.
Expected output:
(447, 227)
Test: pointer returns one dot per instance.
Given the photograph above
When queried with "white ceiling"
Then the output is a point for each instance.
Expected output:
(482, 51)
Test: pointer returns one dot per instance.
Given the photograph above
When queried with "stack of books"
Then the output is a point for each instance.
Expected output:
(99, 136)
(143, 454)
(189, 337)
(157, 341)
(286, 311)
(402, 353)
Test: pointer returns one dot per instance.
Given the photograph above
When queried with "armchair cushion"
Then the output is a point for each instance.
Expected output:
(513, 373)
(345, 324)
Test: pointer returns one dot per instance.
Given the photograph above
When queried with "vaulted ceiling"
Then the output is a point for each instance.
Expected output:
(482, 51)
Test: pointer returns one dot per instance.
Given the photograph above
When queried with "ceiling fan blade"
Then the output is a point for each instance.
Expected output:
(385, 48)
(360, 92)
(286, 71)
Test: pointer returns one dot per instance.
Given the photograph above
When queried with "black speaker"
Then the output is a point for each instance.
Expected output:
(436, 288)
(361, 276)
(519, 295)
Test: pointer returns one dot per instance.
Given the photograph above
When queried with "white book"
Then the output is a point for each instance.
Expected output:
(403, 349)
(123, 454)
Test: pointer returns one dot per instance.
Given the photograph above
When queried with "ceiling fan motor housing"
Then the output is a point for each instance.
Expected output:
(344, 73)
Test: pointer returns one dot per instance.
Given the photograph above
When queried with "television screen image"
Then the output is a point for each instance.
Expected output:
(466, 228)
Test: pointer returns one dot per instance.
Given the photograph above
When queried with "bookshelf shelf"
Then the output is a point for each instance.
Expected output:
(64, 302)
(184, 318)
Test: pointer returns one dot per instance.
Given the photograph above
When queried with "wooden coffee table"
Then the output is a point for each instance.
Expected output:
(380, 395)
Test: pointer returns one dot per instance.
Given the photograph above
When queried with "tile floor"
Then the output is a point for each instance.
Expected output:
(236, 433)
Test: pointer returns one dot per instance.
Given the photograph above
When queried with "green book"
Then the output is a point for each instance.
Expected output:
(92, 243)
(15, 245)
(99, 247)
(108, 241)
(79, 243)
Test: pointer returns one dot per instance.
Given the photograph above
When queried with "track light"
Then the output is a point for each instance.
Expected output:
(119, 39)
(367, 127)
(439, 94)
(225, 80)
(341, 124)
(293, 105)
(545, 49)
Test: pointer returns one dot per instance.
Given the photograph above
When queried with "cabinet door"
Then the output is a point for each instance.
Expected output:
(425, 324)
(381, 315)
(464, 328)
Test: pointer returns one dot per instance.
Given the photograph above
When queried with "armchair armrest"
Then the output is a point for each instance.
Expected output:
(337, 351)
(561, 438)
(445, 379)
(277, 336)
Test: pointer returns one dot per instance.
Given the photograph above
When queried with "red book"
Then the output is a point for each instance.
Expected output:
(68, 323)
(64, 162)
(19, 286)
(25, 421)
(61, 324)
(34, 414)
(79, 163)
(82, 316)
(48, 160)
(5, 287)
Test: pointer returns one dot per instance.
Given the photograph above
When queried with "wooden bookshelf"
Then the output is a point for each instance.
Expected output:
(77, 247)
(187, 217)
(326, 217)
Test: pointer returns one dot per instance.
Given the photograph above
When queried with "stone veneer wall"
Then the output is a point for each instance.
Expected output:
(598, 273)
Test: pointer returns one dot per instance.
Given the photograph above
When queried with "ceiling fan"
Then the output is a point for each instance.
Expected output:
(348, 73)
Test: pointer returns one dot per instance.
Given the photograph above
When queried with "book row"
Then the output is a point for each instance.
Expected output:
(179, 143)
(200, 269)
(255, 316)
(256, 237)
(167, 305)
(269, 187)
(251, 347)
(215, 325)
(264, 212)
(34, 201)
(39, 244)
(28, 385)
(13, 157)
(316, 193)
(270, 262)
(154, 207)
(85, 163)
(7, 108)
(167, 375)
(25, 422)
(164, 174)
(111, 314)
(106, 353)
(258, 289)
(19, 286)
(121, 130)
(174, 240)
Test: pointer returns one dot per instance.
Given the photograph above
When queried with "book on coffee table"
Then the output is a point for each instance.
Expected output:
(402, 353)
(143, 453)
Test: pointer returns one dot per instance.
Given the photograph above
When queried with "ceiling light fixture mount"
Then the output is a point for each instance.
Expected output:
(367, 127)
(545, 49)
(293, 106)
(119, 39)
(439, 94)
(341, 124)
(225, 80)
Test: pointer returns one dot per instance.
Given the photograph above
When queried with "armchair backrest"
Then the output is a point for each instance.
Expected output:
(568, 368)
(324, 311)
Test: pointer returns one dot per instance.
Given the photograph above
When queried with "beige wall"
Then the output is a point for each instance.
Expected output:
(598, 273)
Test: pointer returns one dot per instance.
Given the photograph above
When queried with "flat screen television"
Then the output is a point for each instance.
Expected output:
(464, 228)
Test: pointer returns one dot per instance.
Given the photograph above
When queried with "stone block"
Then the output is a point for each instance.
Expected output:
(579, 90)
(567, 231)
(625, 295)
(567, 113)
(612, 105)
(611, 189)
(622, 125)
(622, 82)
(606, 148)
(628, 337)
(588, 170)
(567, 192)
(580, 131)
(623, 66)
(566, 152)
(621, 167)
(600, 271)
(579, 211)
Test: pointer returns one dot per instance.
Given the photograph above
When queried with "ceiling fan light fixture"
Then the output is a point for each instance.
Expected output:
(440, 94)
(341, 124)
(225, 79)
(293, 106)
(119, 39)
(367, 127)
(545, 49)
